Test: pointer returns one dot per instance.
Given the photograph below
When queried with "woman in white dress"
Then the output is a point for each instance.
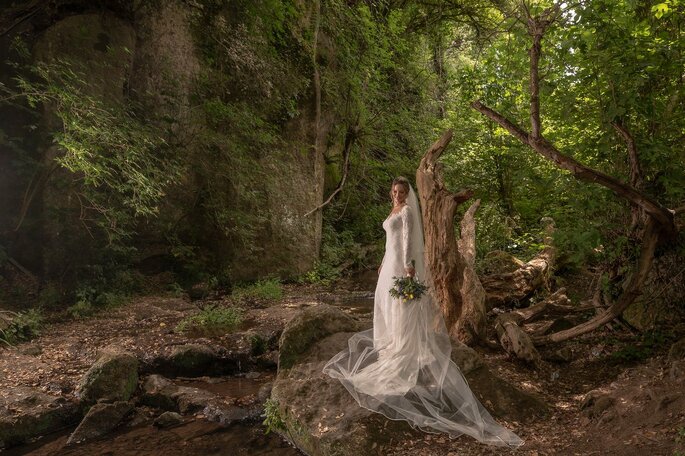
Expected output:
(402, 367)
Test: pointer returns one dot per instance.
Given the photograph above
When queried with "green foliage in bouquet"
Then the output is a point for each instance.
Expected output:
(408, 288)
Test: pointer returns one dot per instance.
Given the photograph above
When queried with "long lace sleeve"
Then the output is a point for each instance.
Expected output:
(407, 225)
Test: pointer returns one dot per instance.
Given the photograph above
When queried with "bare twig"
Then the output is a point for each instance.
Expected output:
(350, 138)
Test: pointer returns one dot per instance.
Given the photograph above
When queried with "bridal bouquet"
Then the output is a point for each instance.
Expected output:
(407, 288)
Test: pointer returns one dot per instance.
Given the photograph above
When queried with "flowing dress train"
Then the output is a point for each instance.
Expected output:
(402, 367)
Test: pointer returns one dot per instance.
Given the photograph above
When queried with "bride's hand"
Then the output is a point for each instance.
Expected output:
(410, 271)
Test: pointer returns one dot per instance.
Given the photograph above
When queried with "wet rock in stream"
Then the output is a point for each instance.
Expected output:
(160, 392)
(26, 413)
(100, 419)
(168, 419)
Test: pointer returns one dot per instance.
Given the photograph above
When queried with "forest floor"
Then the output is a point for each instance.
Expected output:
(646, 414)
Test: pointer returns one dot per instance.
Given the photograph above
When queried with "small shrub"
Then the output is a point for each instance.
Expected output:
(644, 347)
(89, 300)
(211, 321)
(272, 417)
(175, 290)
(269, 289)
(322, 274)
(257, 345)
(81, 309)
(50, 296)
(20, 326)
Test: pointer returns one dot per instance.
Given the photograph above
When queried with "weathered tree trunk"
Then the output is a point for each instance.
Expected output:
(637, 215)
(464, 318)
(472, 292)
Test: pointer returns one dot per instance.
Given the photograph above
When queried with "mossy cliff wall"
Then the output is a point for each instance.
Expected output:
(239, 212)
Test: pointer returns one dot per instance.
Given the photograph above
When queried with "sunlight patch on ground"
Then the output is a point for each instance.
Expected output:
(564, 405)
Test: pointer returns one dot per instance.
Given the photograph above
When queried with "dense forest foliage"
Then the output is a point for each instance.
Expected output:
(192, 164)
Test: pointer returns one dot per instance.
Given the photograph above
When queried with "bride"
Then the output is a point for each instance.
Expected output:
(402, 367)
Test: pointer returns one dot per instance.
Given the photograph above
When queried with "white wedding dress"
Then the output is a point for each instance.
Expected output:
(402, 367)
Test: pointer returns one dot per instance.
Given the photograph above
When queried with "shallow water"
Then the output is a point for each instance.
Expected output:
(354, 304)
(234, 387)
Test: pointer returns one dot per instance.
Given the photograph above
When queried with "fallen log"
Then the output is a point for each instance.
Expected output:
(513, 287)
(518, 342)
(514, 339)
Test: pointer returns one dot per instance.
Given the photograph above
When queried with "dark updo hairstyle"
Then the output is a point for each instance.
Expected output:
(403, 181)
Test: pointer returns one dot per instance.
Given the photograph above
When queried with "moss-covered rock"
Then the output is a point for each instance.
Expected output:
(307, 328)
(320, 415)
(113, 377)
(168, 419)
(192, 359)
(197, 360)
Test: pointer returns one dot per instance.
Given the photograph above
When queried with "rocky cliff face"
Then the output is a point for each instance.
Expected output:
(148, 52)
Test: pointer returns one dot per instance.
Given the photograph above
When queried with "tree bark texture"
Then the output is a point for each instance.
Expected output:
(534, 53)
(637, 218)
(515, 340)
(447, 264)
(472, 291)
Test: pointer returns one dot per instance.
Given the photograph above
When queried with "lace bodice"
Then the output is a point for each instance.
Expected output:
(398, 249)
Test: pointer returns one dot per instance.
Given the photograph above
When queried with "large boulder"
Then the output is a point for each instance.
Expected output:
(322, 418)
(100, 419)
(319, 415)
(26, 413)
(113, 377)
(307, 328)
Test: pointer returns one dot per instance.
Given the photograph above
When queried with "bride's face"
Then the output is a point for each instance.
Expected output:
(399, 194)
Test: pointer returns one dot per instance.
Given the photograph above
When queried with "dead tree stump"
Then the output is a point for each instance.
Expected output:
(455, 284)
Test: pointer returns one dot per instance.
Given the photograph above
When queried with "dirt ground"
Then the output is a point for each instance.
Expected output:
(646, 415)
